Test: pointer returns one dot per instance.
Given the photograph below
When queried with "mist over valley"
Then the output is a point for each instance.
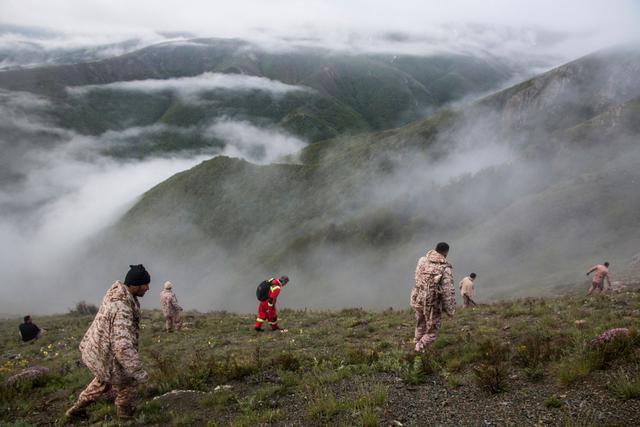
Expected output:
(216, 160)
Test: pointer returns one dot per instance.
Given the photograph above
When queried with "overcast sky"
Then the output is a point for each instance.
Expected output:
(565, 29)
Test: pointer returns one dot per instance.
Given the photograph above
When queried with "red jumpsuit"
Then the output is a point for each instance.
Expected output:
(267, 309)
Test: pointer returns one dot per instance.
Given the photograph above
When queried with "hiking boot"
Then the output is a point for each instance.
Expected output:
(125, 412)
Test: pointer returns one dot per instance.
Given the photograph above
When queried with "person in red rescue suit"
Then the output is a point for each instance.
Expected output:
(267, 309)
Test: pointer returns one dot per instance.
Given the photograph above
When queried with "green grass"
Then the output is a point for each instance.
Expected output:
(337, 377)
(625, 385)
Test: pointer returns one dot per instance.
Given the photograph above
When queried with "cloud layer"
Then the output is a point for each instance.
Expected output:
(190, 87)
(543, 28)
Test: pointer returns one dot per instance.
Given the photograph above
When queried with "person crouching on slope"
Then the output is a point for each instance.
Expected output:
(601, 274)
(433, 294)
(110, 347)
(267, 307)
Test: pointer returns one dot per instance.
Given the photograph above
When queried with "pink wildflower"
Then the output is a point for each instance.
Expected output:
(607, 336)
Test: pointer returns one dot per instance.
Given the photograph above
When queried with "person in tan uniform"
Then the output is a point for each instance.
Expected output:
(170, 308)
(466, 289)
(601, 274)
(432, 295)
(110, 347)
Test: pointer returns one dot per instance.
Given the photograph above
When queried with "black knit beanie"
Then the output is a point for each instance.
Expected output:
(137, 275)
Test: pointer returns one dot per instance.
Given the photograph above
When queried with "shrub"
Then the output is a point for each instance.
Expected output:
(369, 418)
(533, 350)
(492, 372)
(553, 402)
(491, 377)
(359, 356)
(286, 361)
(219, 399)
(623, 386)
(453, 380)
(572, 369)
(83, 308)
(416, 368)
(619, 346)
(324, 407)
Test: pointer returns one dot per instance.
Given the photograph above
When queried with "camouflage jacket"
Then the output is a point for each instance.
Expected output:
(110, 346)
(434, 287)
(169, 303)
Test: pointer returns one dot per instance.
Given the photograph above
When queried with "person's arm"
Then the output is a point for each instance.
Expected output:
(123, 343)
(592, 270)
(608, 281)
(174, 302)
(449, 292)
(273, 294)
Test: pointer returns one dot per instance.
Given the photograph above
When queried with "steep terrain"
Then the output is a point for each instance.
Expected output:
(556, 195)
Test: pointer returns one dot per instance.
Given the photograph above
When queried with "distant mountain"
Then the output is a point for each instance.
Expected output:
(554, 190)
(347, 93)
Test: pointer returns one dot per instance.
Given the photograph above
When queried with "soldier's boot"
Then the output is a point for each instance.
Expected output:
(78, 412)
(125, 412)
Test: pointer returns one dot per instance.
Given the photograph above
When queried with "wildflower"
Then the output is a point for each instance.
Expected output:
(608, 336)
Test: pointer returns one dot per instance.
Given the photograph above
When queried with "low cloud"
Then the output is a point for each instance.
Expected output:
(255, 144)
(191, 87)
(59, 207)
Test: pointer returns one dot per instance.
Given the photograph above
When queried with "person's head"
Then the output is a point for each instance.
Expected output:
(472, 275)
(27, 319)
(137, 280)
(168, 285)
(284, 280)
(442, 248)
(606, 264)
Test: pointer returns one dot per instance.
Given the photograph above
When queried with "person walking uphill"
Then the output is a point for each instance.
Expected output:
(170, 308)
(267, 294)
(110, 347)
(601, 274)
(432, 295)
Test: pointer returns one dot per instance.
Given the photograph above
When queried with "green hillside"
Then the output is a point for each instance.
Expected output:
(553, 207)
(349, 93)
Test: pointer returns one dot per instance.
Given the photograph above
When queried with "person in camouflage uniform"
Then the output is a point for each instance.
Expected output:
(110, 347)
(433, 294)
(170, 308)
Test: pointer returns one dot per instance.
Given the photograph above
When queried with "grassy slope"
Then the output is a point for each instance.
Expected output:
(319, 202)
(352, 367)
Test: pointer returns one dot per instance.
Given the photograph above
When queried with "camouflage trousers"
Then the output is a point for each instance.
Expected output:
(124, 394)
(426, 329)
(172, 322)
